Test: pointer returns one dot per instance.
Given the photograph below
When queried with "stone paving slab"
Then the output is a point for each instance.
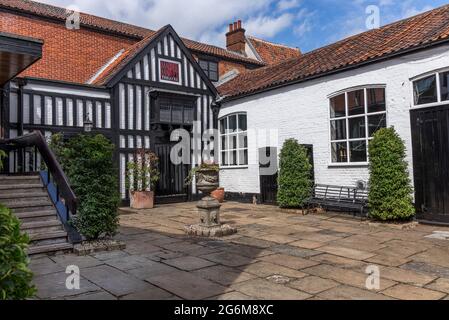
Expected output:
(54, 286)
(189, 263)
(313, 285)
(224, 275)
(114, 281)
(407, 292)
(263, 289)
(187, 285)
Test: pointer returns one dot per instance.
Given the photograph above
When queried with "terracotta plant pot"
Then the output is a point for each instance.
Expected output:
(142, 199)
(219, 194)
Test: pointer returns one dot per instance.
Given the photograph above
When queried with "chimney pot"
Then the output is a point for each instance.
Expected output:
(235, 38)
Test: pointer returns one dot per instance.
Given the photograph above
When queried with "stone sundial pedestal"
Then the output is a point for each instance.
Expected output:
(208, 209)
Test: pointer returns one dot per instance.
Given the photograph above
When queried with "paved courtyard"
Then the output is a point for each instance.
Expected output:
(275, 255)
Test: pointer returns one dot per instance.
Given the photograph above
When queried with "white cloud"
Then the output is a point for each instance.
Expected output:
(288, 4)
(196, 19)
(268, 27)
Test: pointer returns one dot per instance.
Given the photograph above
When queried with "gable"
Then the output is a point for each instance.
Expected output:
(161, 58)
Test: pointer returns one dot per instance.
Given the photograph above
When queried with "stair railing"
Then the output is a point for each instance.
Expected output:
(52, 175)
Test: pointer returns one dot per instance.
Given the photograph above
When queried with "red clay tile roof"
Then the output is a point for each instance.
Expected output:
(272, 53)
(414, 33)
(121, 61)
(116, 27)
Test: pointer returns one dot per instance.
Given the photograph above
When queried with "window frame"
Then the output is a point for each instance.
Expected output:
(435, 73)
(347, 117)
(227, 133)
(207, 72)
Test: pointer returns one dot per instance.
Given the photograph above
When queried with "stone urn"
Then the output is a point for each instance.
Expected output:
(141, 199)
(208, 208)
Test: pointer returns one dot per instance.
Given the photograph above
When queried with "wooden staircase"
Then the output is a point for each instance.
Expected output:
(28, 199)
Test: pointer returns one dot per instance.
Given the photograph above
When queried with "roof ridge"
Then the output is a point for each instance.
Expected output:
(273, 43)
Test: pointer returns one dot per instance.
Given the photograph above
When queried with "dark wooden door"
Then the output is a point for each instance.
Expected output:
(269, 182)
(268, 168)
(171, 186)
(430, 135)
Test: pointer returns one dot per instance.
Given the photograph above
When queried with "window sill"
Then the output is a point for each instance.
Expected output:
(233, 167)
(349, 165)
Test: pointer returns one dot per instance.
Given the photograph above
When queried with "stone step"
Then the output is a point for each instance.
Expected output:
(49, 248)
(28, 203)
(11, 195)
(15, 180)
(41, 207)
(34, 225)
(49, 229)
(48, 235)
(36, 214)
(23, 187)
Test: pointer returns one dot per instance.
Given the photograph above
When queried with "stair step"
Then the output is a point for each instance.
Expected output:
(40, 224)
(35, 214)
(14, 180)
(49, 248)
(48, 235)
(12, 204)
(45, 207)
(21, 186)
(23, 195)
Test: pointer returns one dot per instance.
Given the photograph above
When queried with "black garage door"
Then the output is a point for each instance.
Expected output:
(430, 135)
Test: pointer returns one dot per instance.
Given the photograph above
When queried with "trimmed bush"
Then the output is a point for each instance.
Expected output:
(88, 162)
(2, 156)
(15, 277)
(390, 194)
(295, 183)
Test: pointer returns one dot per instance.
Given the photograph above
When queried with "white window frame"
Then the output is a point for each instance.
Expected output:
(347, 117)
(438, 84)
(227, 133)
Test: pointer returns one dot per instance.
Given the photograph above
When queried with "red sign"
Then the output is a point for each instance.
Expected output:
(169, 71)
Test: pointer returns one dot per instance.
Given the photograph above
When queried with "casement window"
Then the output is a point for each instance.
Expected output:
(431, 89)
(354, 118)
(234, 140)
(210, 68)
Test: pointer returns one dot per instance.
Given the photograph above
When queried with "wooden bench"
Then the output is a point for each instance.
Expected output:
(348, 199)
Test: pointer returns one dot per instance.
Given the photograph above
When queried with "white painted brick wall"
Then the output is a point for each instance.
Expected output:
(302, 111)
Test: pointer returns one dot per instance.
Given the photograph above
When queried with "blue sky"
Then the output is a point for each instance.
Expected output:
(307, 24)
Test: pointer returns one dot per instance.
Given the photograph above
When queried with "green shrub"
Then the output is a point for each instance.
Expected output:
(390, 194)
(88, 162)
(15, 277)
(295, 183)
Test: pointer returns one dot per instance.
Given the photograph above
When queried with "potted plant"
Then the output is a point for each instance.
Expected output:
(142, 176)
(206, 176)
(219, 194)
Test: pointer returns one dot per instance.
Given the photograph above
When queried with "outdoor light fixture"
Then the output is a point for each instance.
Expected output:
(87, 124)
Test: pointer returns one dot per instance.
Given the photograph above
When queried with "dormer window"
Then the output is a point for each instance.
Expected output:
(210, 68)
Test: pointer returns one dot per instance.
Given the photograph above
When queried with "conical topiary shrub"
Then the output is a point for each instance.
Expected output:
(295, 183)
(390, 194)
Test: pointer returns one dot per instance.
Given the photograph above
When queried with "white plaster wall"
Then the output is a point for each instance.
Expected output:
(301, 111)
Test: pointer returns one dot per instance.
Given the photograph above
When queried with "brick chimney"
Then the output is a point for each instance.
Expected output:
(235, 38)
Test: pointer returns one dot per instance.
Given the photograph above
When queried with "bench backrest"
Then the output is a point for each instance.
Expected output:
(340, 193)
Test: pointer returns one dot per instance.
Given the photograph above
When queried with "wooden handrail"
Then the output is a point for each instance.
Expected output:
(36, 139)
